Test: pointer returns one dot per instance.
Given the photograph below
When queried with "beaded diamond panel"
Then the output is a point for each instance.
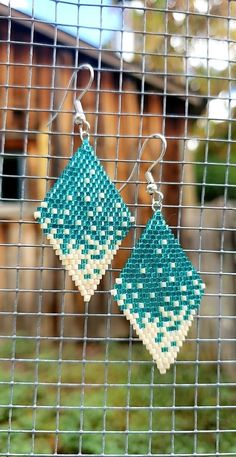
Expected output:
(159, 292)
(85, 219)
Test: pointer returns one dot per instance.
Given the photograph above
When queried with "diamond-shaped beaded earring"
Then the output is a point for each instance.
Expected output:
(83, 214)
(159, 290)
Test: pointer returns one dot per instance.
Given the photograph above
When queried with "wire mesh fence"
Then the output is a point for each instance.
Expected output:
(74, 378)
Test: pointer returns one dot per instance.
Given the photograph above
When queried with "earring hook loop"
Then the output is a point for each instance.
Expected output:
(148, 174)
(79, 118)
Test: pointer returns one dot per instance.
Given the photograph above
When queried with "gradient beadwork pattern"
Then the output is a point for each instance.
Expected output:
(85, 219)
(159, 292)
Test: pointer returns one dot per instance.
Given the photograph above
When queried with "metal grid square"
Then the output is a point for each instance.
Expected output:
(74, 380)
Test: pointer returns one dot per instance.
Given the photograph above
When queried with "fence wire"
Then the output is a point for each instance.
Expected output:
(74, 379)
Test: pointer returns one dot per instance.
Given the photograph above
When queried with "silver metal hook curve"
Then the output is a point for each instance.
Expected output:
(79, 116)
(148, 174)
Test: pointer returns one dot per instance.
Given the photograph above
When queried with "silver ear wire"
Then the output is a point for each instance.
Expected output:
(152, 188)
(79, 117)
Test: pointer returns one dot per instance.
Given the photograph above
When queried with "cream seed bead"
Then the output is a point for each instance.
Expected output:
(134, 295)
(183, 288)
(37, 214)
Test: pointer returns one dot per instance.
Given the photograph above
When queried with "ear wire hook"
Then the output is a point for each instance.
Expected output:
(152, 188)
(79, 117)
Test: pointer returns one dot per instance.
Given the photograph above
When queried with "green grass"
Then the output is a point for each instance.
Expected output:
(137, 385)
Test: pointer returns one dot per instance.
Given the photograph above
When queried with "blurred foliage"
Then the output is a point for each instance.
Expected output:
(188, 41)
(93, 399)
(171, 32)
(216, 162)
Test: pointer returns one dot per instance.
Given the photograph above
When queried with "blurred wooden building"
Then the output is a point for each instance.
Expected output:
(123, 105)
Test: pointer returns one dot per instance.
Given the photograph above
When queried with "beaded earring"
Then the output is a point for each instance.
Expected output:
(159, 290)
(83, 214)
